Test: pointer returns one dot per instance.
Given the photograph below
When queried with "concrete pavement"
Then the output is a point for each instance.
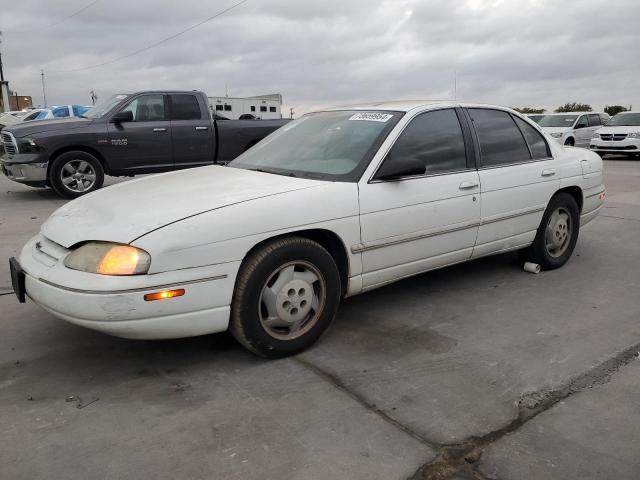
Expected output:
(474, 371)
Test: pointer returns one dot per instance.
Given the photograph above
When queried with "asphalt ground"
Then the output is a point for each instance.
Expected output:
(474, 371)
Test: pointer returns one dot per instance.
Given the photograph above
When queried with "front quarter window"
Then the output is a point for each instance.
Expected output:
(335, 145)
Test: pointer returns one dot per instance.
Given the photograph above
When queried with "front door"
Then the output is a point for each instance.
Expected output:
(518, 178)
(583, 132)
(413, 224)
(191, 131)
(144, 144)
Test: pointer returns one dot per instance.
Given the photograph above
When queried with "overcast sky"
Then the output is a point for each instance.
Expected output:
(331, 52)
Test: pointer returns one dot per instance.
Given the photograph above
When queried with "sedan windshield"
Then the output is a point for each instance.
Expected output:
(557, 120)
(326, 145)
(624, 120)
(103, 107)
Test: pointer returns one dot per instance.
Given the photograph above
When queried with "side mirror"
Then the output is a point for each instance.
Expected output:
(121, 117)
(400, 167)
(580, 125)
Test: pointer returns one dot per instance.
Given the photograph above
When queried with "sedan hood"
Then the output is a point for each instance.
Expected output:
(619, 129)
(124, 212)
(32, 127)
(556, 129)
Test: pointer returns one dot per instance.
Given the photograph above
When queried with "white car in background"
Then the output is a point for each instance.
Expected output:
(621, 136)
(335, 203)
(573, 129)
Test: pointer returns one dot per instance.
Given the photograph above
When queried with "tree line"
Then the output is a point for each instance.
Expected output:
(611, 110)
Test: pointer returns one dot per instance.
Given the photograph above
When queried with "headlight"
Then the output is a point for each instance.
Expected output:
(556, 134)
(634, 135)
(595, 135)
(109, 259)
(27, 145)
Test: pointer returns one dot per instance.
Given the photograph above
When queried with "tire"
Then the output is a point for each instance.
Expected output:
(569, 142)
(286, 295)
(76, 173)
(567, 223)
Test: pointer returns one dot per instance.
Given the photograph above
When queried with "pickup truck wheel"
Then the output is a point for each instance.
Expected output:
(557, 234)
(76, 173)
(286, 295)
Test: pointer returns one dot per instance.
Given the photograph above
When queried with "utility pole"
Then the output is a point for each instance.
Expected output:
(4, 86)
(455, 85)
(44, 93)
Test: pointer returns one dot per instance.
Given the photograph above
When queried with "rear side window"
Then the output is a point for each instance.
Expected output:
(537, 144)
(185, 107)
(501, 142)
(594, 120)
(434, 138)
(60, 112)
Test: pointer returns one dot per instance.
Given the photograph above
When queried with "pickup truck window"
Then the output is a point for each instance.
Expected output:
(336, 145)
(147, 108)
(104, 106)
(185, 107)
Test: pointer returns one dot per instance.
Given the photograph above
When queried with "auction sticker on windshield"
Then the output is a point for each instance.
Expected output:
(371, 116)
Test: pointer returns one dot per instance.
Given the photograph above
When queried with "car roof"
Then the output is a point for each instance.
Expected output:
(574, 113)
(407, 105)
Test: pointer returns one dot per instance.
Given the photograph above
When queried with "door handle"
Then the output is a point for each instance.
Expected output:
(468, 185)
(202, 128)
(159, 129)
(548, 172)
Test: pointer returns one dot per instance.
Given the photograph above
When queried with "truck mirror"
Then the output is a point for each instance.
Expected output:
(124, 116)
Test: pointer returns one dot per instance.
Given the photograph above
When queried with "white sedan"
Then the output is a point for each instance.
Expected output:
(336, 203)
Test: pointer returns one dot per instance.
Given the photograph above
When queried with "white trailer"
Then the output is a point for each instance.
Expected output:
(266, 107)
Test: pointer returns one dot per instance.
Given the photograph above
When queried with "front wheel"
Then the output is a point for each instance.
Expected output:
(569, 142)
(76, 173)
(557, 234)
(286, 295)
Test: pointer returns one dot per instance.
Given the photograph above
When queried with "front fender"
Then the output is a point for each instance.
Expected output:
(227, 234)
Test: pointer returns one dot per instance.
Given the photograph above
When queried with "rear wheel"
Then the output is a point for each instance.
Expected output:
(76, 173)
(557, 234)
(286, 295)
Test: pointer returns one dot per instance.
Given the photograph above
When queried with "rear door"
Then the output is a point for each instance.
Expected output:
(517, 178)
(418, 223)
(143, 145)
(191, 134)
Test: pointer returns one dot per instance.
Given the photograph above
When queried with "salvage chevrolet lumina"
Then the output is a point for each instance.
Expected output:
(336, 203)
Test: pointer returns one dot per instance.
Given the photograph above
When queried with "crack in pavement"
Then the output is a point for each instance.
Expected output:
(463, 458)
(337, 383)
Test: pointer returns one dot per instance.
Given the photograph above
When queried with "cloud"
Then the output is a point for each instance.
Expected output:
(510, 52)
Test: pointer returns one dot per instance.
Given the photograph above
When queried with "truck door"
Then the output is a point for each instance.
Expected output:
(191, 131)
(144, 144)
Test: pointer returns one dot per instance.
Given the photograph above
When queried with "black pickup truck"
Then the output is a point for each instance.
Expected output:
(125, 135)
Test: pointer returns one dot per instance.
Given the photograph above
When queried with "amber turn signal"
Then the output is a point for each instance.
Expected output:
(163, 295)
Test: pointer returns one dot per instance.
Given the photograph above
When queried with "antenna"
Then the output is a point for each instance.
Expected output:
(455, 85)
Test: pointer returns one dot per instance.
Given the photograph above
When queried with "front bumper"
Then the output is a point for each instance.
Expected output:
(628, 145)
(116, 305)
(25, 168)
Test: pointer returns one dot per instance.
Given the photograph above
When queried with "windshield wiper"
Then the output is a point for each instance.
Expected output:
(262, 170)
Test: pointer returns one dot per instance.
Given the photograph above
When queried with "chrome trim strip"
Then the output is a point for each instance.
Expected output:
(361, 247)
(499, 218)
(132, 290)
(596, 194)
